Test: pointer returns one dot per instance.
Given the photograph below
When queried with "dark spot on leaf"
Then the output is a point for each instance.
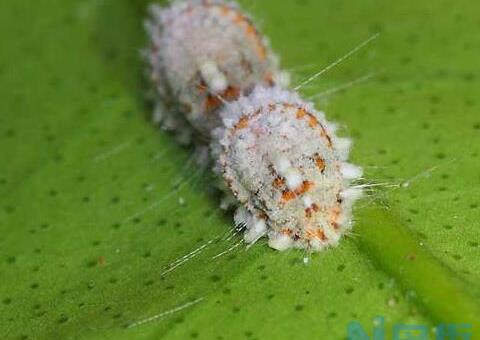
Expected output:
(215, 278)
(91, 263)
(332, 315)
(63, 318)
(457, 257)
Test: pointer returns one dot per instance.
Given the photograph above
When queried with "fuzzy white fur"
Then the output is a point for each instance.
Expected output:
(272, 135)
(198, 50)
(280, 160)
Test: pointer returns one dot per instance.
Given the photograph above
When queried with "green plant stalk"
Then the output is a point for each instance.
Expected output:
(392, 246)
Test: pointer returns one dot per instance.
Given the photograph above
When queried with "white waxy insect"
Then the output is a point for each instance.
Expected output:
(282, 164)
(203, 53)
(287, 170)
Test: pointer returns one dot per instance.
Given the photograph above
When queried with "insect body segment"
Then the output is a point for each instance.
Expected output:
(203, 53)
(284, 164)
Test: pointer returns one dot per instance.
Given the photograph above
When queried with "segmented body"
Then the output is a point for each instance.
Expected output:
(287, 170)
(203, 53)
(281, 163)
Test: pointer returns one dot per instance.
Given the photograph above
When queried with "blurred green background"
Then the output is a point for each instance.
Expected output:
(95, 202)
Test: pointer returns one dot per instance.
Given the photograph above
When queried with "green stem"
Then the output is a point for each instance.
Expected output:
(394, 248)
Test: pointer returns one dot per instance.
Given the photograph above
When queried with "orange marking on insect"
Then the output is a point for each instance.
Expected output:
(312, 120)
(320, 234)
(279, 182)
(288, 195)
(242, 123)
(325, 135)
(212, 102)
(309, 234)
(320, 162)
(286, 231)
(268, 78)
(311, 210)
(215, 101)
(231, 93)
(262, 215)
(301, 113)
(315, 234)
(306, 186)
(334, 215)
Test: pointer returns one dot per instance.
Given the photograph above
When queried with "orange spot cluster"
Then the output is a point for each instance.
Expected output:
(279, 182)
(231, 93)
(212, 102)
(312, 120)
(311, 234)
(289, 195)
(306, 186)
(242, 123)
(319, 162)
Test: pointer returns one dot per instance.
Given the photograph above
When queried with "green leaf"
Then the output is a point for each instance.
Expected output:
(98, 207)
